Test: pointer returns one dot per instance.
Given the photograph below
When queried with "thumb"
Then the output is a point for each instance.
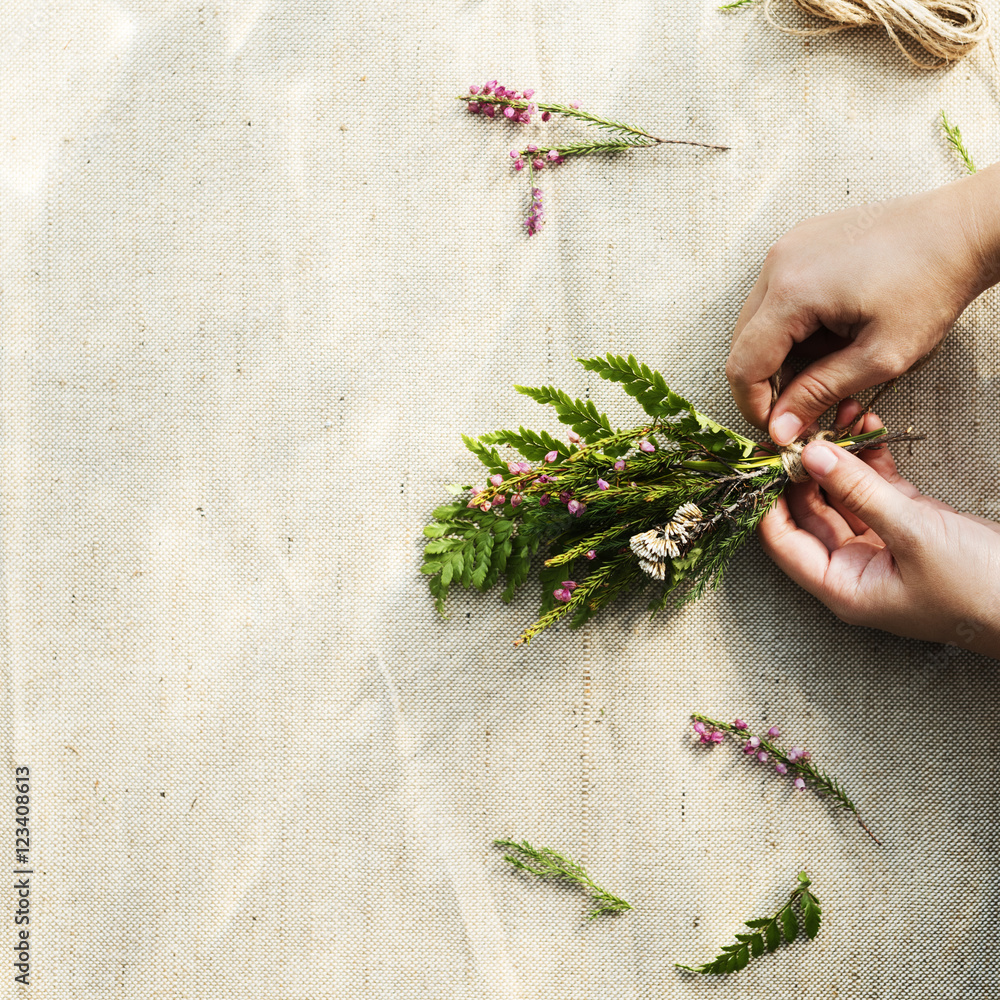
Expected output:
(823, 384)
(894, 517)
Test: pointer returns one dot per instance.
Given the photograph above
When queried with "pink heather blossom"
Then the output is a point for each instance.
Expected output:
(576, 508)
(552, 154)
(499, 90)
(524, 467)
(524, 118)
(565, 496)
(514, 467)
(715, 736)
(538, 164)
(531, 148)
(619, 465)
(573, 437)
(496, 479)
(486, 505)
(473, 107)
(800, 783)
(544, 499)
(516, 500)
(647, 446)
(499, 499)
(489, 110)
(762, 756)
(546, 115)
(754, 742)
(774, 732)
(528, 94)
(602, 484)
(570, 584)
(515, 94)
(519, 164)
(698, 727)
(473, 89)
(740, 724)
(514, 154)
(509, 112)
(795, 753)
(550, 456)
(591, 554)
(562, 595)
(781, 768)
(747, 748)
(575, 105)
(806, 754)
(545, 479)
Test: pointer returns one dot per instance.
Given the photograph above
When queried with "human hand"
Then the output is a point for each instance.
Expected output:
(866, 293)
(878, 553)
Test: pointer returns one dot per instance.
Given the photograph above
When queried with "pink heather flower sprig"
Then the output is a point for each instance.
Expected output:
(794, 762)
(516, 107)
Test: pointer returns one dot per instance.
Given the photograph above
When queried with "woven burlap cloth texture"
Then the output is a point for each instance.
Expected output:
(260, 270)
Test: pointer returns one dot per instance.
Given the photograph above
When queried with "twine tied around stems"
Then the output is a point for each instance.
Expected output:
(791, 456)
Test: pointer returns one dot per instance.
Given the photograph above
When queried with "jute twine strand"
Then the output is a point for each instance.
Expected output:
(945, 29)
(791, 456)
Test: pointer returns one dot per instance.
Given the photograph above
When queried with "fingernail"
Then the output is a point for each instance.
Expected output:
(820, 458)
(786, 428)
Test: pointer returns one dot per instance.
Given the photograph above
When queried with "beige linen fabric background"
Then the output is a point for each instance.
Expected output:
(259, 272)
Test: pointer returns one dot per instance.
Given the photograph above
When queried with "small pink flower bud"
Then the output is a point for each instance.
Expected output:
(800, 783)
(575, 507)
(562, 595)
(528, 94)
(806, 755)
(647, 446)
(602, 485)
(509, 112)
(513, 467)
(519, 165)
(516, 500)
(781, 768)
(716, 737)
(489, 110)
(486, 505)
(762, 756)
(570, 584)
(574, 437)
(740, 724)
(774, 732)
(575, 105)
(747, 748)
(515, 94)
(538, 164)
(591, 554)
(496, 479)
(524, 467)
(524, 118)
(499, 90)
(795, 753)
(565, 496)
(473, 89)
(754, 742)
(531, 148)
(500, 499)
(551, 456)
(619, 465)
(698, 727)
(473, 108)
(514, 154)
(544, 499)
(546, 115)
(552, 154)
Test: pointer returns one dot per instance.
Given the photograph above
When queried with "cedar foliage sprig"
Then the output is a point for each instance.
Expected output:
(547, 863)
(954, 136)
(766, 932)
(796, 764)
(664, 504)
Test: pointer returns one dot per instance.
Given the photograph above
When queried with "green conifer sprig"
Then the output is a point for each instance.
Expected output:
(549, 864)
(590, 503)
(797, 765)
(954, 136)
(767, 932)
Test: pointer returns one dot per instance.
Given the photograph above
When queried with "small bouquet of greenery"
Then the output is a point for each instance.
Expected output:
(664, 504)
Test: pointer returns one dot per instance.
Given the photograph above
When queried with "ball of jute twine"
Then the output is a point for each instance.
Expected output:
(946, 29)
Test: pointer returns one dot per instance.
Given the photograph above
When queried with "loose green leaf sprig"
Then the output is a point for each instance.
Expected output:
(546, 863)
(664, 504)
(954, 136)
(766, 932)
